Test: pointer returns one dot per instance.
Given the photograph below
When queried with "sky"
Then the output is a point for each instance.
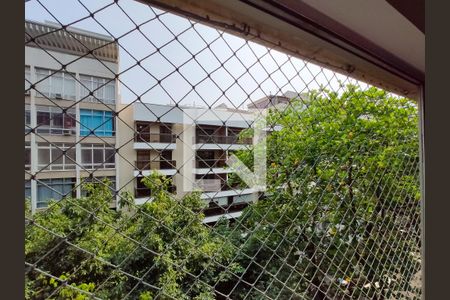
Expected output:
(228, 58)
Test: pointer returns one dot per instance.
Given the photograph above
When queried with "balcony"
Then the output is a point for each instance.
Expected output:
(208, 166)
(155, 164)
(165, 167)
(221, 139)
(210, 163)
(146, 137)
(214, 209)
(154, 141)
(216, 185)
(141, 192)
(56, 131)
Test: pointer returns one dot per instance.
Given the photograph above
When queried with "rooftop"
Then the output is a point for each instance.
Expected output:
(52, 36)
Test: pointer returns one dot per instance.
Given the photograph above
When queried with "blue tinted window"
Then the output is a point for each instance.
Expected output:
(99, 121)
(53, 189)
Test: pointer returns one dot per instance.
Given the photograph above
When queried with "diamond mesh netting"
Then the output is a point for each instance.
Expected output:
(169, 159)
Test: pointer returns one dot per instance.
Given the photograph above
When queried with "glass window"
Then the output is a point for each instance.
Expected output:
(27, 189)
(97, 156)
(43, 118)
(109, 156)
(59, 85)
(99, 121)
(27, 156)
(43, 157)
(27, 118)
(27, 79)
(110, 92)
(43, 83)
(54, 189)
(52, 120)
(51, 157)
(86, 157)
(104, 89)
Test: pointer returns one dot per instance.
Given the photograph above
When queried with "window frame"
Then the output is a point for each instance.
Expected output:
(52, 128)
(50, 76)
(27, 118)
(97, 85)
(97, 165)
(27, 80)
(51, 183)
(100, 131)
(27, 154)
(67, 163)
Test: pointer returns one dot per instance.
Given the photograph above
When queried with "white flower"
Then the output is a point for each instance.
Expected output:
(340, 227)
(312, 185)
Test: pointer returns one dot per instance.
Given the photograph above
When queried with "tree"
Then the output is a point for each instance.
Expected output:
(161, 248)
(340, 217)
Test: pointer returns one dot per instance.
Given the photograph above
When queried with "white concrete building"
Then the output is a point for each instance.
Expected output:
(71, 94)
(190, 145)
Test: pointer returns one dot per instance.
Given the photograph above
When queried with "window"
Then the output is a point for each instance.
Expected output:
(59, 85)
(55, 189)
(52, 120)
(97, 156)
(101, 122)
(27, 156)
(27, 189)
(104, 89)
(27, 80)
(27, 118)
(51, 156)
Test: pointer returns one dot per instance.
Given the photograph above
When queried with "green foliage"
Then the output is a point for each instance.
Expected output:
(339, 219)
(163, 242)
(342, 184)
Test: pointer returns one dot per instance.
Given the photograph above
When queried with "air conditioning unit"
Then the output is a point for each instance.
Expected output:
(58, 96)
(69, 132)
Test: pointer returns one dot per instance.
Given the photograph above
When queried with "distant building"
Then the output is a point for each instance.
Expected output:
(276, 100)
(70, 129)
(188, 144)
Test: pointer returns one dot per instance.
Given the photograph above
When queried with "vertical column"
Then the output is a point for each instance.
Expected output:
(421, 102)
(116, 143)
(33, 144)
(77, 136)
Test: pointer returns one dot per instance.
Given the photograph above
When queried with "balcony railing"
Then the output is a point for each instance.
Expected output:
(216, 185)
(155, 164)
(221, 139)
(56, 130)
(140, 192)
(143, 137)
(215, 209)
(210, 163)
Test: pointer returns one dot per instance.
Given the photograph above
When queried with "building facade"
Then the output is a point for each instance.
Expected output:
(72, 133)
(188, 144)
(71, 95)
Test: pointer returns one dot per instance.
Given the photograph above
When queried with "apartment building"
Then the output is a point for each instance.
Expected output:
(188, 144)
(72, 134)
(71, 95)
(278, 101)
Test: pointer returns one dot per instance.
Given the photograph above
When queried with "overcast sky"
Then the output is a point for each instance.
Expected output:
(292, 75)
